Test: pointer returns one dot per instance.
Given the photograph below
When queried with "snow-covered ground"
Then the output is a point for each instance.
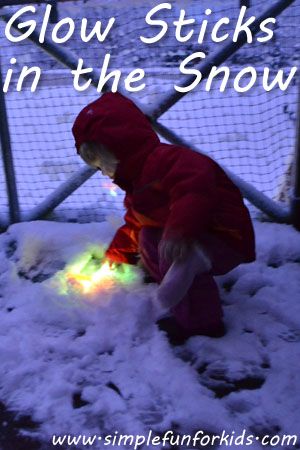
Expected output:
(98, 364)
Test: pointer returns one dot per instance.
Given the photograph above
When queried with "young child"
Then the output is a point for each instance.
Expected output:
(176, 200)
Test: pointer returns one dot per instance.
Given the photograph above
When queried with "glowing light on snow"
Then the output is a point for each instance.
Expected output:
(112, 188)
(89, 274)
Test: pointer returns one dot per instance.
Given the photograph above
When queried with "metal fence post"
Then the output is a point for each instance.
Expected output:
(14, 210)
(295, 204)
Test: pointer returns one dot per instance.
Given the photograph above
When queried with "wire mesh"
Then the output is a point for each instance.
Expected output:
(4, 210)
(253, 134)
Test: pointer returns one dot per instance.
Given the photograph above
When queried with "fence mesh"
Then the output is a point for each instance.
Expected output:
(253, 133)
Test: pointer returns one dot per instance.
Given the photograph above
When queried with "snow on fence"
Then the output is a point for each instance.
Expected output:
(251, 134)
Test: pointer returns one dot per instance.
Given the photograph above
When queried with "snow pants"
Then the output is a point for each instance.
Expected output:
(200, 311)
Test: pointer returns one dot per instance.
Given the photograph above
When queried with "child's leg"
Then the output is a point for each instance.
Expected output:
(200, 311)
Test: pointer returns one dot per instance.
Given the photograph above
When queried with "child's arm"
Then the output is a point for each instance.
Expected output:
(173, 249)
(124, 246)
(179, 279)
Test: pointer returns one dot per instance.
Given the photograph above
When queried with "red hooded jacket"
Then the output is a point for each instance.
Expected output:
(167, 186)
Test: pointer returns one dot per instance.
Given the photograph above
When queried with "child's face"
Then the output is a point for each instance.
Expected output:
(99, 157)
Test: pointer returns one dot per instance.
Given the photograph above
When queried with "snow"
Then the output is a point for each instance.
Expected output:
(98, 364)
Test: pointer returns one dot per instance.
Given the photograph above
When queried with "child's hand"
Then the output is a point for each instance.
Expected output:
(170, 250)
(112, 264)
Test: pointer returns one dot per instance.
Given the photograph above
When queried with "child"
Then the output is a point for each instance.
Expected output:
(176, 200)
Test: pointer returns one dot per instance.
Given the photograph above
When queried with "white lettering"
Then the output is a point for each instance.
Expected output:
(251, 82)
(161, 23)
(96, 30)
(116, 74)
(190, 71)
(31, 24)
(45, 24)
(26, 71)
(57, 27)
(78, 73)
(216, 28)
(215, 71)
(240, 26)
(135, 76)
(181, 22)
(8, 76)
(265, 29)
(283, 85)
(203, 27)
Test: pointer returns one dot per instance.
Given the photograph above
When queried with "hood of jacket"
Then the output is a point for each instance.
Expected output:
(116, 122)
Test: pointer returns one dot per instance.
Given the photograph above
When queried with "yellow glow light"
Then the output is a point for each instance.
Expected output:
(90, 274)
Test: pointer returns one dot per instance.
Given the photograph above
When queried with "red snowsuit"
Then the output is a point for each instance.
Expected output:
(171, 192)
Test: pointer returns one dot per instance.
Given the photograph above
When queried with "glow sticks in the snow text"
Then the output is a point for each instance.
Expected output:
(211, 28)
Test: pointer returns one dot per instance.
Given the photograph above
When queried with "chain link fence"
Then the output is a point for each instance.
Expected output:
(252, 134)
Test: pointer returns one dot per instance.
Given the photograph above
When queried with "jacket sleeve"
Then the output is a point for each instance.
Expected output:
(124, 246)
(191, 184)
